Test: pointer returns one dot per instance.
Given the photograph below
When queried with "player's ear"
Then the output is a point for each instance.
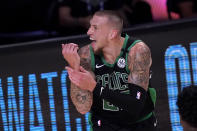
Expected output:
(113, 33)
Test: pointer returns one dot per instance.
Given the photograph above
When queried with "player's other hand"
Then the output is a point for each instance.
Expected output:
(69, 52)
(82, 78)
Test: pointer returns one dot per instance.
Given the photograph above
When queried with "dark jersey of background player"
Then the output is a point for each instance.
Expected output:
(187, 105)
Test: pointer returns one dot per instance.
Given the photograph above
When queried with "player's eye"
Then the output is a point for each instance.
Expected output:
(95, 27)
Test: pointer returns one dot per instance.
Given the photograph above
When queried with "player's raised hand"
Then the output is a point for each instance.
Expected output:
(69, 51)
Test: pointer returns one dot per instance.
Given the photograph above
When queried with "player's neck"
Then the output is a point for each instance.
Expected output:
(112, 51)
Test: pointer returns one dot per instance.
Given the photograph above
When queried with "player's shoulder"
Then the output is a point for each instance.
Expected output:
(140, 51)
(141, 44)
(84, 51)
(140, 47)
(86, 47)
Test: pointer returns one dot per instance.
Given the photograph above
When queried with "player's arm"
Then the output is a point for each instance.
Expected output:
(139, 60)
(139, 63)
(82, 99)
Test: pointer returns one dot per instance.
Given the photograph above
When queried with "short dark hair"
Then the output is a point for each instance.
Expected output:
(113, 16)
(187, 105)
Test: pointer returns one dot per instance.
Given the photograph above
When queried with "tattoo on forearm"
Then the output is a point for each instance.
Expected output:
(140, 62)
(82, 99)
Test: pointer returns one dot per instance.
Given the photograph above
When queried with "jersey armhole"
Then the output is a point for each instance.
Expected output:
(92, 59)
(153, 95)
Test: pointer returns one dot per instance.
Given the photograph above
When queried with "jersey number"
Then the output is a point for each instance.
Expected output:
(108, 106)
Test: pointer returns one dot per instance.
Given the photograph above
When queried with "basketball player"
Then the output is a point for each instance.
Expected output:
(110, 77)
(187, 104)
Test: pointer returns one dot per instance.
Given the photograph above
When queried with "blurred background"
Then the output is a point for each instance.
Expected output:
(28, 20)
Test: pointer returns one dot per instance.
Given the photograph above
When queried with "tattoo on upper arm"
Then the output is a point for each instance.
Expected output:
(139, 64)
(82, 99)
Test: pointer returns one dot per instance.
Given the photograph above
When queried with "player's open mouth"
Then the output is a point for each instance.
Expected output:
(93, 40)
